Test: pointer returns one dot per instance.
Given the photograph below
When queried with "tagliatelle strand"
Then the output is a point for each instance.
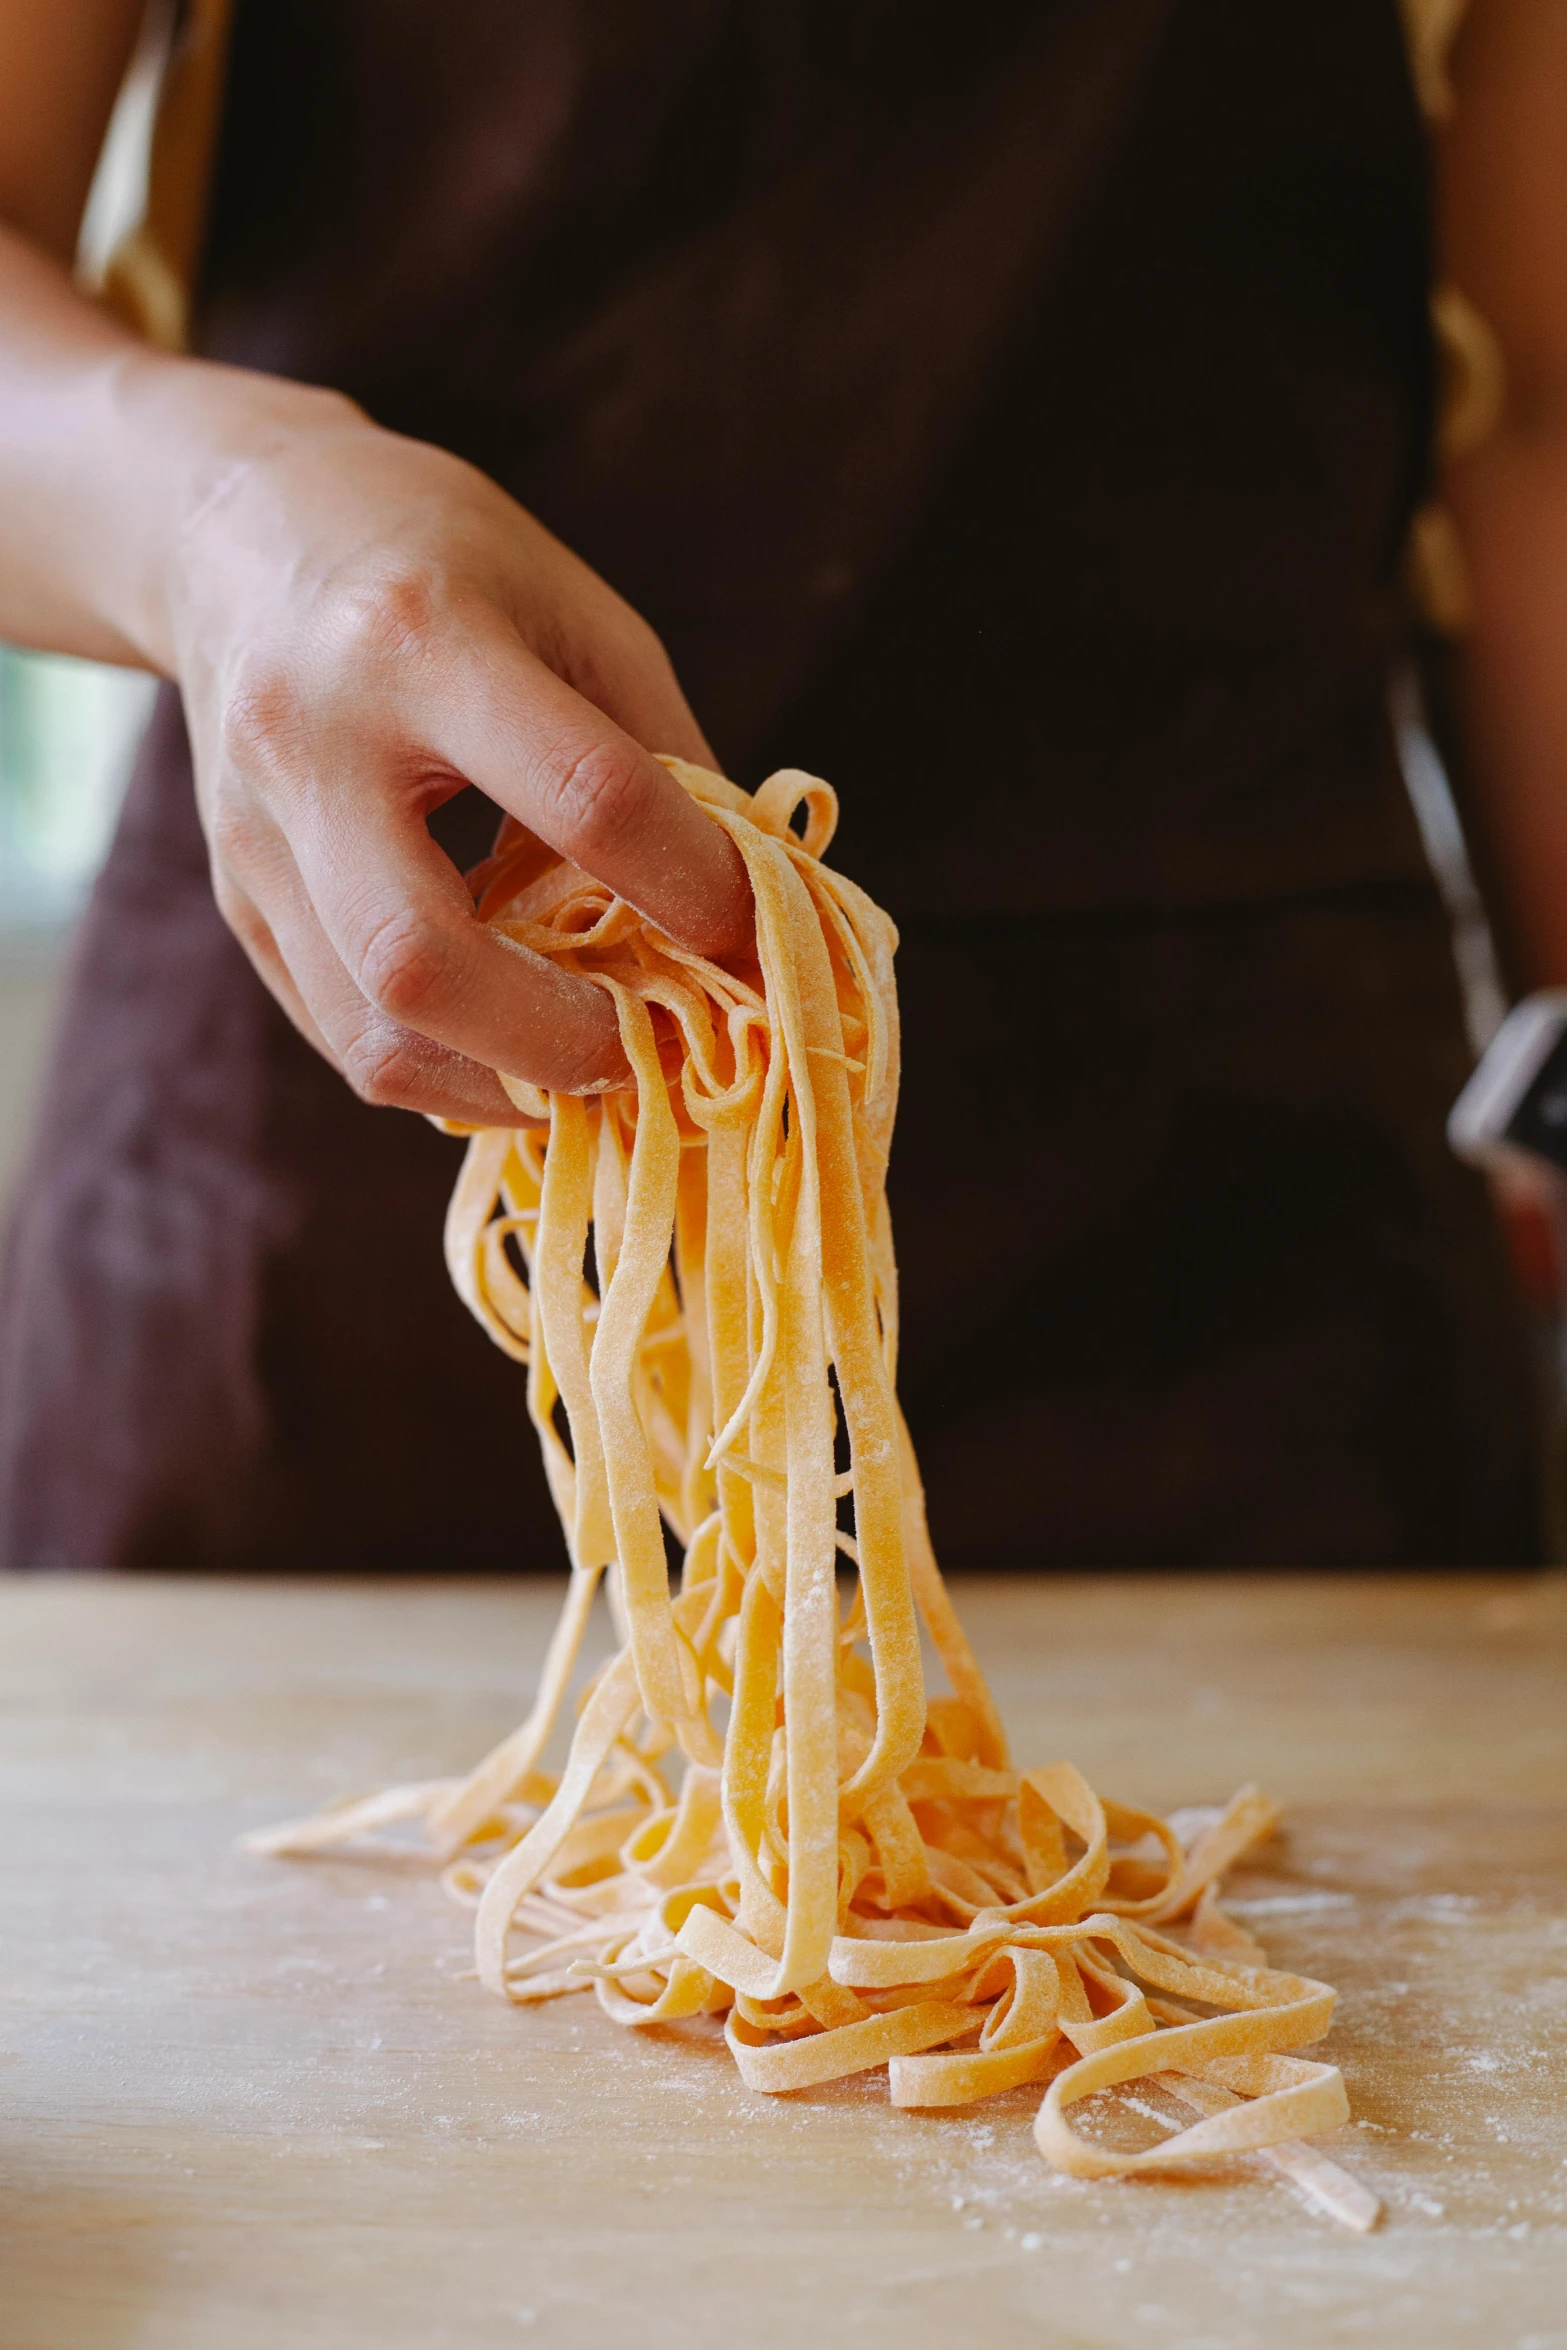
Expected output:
(699, 1275)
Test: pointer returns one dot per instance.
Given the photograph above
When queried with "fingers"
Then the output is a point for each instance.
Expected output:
(255, 935)
(323, 755)
(388, 1065)
(584, 784)
(397, 920)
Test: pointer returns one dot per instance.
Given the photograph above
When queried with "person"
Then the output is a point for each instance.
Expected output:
(1020, 423)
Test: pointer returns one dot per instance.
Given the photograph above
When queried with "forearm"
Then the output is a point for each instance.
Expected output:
(1502, 183)
(1510, 502)
(109, 454)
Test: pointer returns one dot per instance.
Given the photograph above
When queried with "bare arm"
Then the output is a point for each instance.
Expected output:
(1503, 185)
(360, 625)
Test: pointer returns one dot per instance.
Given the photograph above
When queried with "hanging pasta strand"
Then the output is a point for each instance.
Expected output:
(851, 1873)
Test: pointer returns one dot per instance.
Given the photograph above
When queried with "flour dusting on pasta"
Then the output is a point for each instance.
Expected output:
(699, 1275)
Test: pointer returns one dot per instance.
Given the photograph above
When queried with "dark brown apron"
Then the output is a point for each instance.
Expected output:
(1019, 423)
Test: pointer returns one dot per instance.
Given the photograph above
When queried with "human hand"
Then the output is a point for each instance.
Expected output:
(362, 625)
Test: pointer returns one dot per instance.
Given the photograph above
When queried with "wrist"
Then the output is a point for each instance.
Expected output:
(203, 438)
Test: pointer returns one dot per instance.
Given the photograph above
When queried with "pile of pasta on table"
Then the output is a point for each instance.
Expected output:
(698, 1273)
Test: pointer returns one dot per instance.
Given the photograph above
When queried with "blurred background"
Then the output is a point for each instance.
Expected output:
(68, 729)
(68, 732)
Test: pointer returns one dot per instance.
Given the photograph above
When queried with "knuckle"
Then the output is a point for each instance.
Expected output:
(599, 798)
(391, 616)
(385, 1069)
(403, 966)
(261, 718)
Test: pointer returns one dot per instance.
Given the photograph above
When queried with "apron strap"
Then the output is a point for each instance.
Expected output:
(149, 276)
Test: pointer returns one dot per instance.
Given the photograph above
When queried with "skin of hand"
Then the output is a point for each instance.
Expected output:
(1502, 182)
(360, 625)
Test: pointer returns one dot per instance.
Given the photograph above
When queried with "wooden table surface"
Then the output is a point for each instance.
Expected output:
(250, 2104)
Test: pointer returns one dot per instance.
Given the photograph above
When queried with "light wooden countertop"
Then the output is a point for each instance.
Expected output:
(249, 2105)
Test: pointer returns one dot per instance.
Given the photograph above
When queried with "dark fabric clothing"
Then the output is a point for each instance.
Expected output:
(227, 1338)
(1207, 1289)
(1021, 429)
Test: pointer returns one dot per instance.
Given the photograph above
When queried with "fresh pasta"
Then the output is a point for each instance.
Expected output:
(698, 1274)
